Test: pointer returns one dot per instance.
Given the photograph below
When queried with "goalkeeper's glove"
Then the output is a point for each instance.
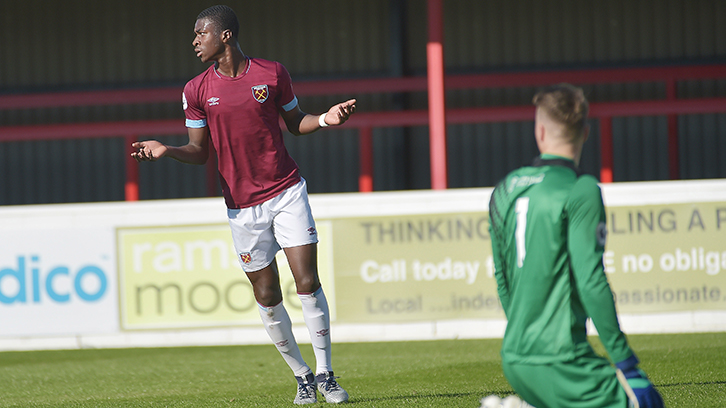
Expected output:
(644, 391)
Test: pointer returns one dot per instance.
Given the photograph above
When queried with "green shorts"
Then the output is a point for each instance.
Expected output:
(587, 382)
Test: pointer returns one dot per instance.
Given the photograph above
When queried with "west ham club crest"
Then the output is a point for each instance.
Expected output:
(259, 92)
(245, 257)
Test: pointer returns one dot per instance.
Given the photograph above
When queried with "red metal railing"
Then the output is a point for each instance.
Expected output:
(366, 121)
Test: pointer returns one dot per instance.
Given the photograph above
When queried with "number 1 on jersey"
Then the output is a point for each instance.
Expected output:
(520, 208)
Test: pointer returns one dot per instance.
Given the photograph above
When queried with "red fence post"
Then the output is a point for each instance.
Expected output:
(606, 149)
(132, 171)
(365, 140)
(437, 95)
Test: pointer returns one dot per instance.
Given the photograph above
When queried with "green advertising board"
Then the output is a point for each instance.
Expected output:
(409, 268)
(666, 258)
(412, 268)
(189, 276)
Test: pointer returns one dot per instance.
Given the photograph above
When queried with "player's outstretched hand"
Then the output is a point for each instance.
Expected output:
(149, 150)
(338, 114)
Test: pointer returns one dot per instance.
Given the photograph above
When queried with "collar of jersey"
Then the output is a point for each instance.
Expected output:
(554, 160)
(242, 75)
(547, 156)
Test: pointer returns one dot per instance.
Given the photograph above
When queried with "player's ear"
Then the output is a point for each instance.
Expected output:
(226, 36)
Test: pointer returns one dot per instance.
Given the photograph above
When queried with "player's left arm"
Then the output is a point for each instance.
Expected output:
(301, 123)
(586, 245)
(497, 237)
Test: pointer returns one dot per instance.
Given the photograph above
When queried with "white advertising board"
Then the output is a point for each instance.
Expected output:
(57, 281)
(123, 274)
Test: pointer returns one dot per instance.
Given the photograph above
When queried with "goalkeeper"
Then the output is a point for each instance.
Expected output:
(547, 223)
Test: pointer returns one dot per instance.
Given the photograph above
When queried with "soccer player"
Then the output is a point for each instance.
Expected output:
(547, 224)
(236, 103)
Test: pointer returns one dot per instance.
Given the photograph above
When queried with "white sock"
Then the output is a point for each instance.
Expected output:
(317, 318)
(279, 328)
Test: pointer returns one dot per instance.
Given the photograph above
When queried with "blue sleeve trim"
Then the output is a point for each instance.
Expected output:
(288, 107)
(196, 124)
(628, 364)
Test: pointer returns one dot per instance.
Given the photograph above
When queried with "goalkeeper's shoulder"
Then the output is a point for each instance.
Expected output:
(587, 184)
(586, 192)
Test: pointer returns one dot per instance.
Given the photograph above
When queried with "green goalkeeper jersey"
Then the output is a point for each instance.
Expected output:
(547, 224)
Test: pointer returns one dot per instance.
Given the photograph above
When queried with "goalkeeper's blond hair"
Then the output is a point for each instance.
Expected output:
(565, 104)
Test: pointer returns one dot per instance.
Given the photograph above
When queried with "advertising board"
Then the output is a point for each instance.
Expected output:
(57, 281)
(189, 276)
(394, 265)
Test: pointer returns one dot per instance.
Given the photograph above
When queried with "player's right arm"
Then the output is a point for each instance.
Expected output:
(194, 152)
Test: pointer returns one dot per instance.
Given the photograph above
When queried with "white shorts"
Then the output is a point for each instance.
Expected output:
(284, 221)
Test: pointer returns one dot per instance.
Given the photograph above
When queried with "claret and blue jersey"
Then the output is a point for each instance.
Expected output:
(243, 118)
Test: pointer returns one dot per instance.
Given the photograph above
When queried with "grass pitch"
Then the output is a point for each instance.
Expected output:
(688, 369)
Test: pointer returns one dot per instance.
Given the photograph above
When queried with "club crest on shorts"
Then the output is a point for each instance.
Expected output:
(260, 93)
(245, 257)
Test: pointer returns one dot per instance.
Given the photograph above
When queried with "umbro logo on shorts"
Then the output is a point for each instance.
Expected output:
(245, 257)
(323, 333)
(312, 231)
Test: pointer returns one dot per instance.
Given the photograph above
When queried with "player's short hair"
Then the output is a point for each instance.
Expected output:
(564, 103)
(222, 17)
